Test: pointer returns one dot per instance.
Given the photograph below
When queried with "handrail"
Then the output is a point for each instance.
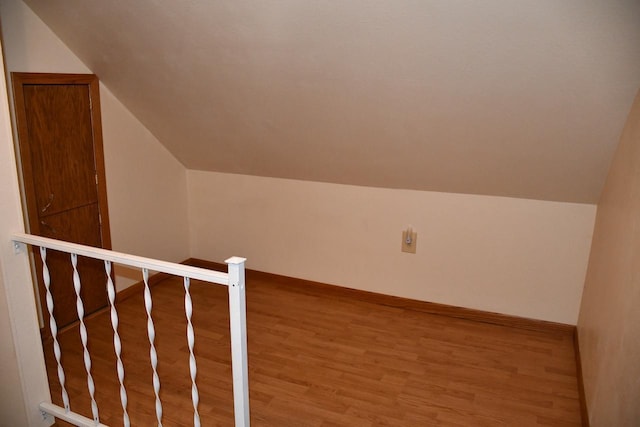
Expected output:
(126, 259)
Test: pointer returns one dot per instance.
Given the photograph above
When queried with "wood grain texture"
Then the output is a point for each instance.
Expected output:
(60, 138)
(322, 359)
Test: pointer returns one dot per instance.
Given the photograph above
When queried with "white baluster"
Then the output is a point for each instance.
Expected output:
(83, 335)
(116, 342)
(53, 326)
(188, 308)
(152, 351)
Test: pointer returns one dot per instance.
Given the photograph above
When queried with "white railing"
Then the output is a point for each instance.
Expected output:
(234, 279)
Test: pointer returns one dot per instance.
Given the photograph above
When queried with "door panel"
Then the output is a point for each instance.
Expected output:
(61, 146)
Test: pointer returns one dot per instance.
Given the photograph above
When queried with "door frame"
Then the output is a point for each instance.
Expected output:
(24, 163)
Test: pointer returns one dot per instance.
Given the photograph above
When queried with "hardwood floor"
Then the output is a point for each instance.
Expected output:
(323, 359)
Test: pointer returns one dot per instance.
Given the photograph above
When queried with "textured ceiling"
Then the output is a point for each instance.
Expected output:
(523, 98)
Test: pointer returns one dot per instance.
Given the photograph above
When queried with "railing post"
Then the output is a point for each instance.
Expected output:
(238, 326)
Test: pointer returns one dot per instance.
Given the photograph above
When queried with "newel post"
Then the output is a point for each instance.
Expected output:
(238, 326)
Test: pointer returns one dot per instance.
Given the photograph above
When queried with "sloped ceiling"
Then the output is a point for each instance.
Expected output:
(522, 98)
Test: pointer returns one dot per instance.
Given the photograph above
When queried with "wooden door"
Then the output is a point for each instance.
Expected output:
(60, 138)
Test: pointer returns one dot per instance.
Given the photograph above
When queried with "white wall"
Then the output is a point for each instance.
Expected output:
(147, 189)
(146, 185)
(514, 256)
(22, 372)
(609, 325)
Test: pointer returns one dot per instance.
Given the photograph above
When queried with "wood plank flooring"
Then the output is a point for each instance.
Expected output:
(321, 359)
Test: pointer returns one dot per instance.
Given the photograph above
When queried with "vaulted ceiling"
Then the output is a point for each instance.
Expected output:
(521, 98)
